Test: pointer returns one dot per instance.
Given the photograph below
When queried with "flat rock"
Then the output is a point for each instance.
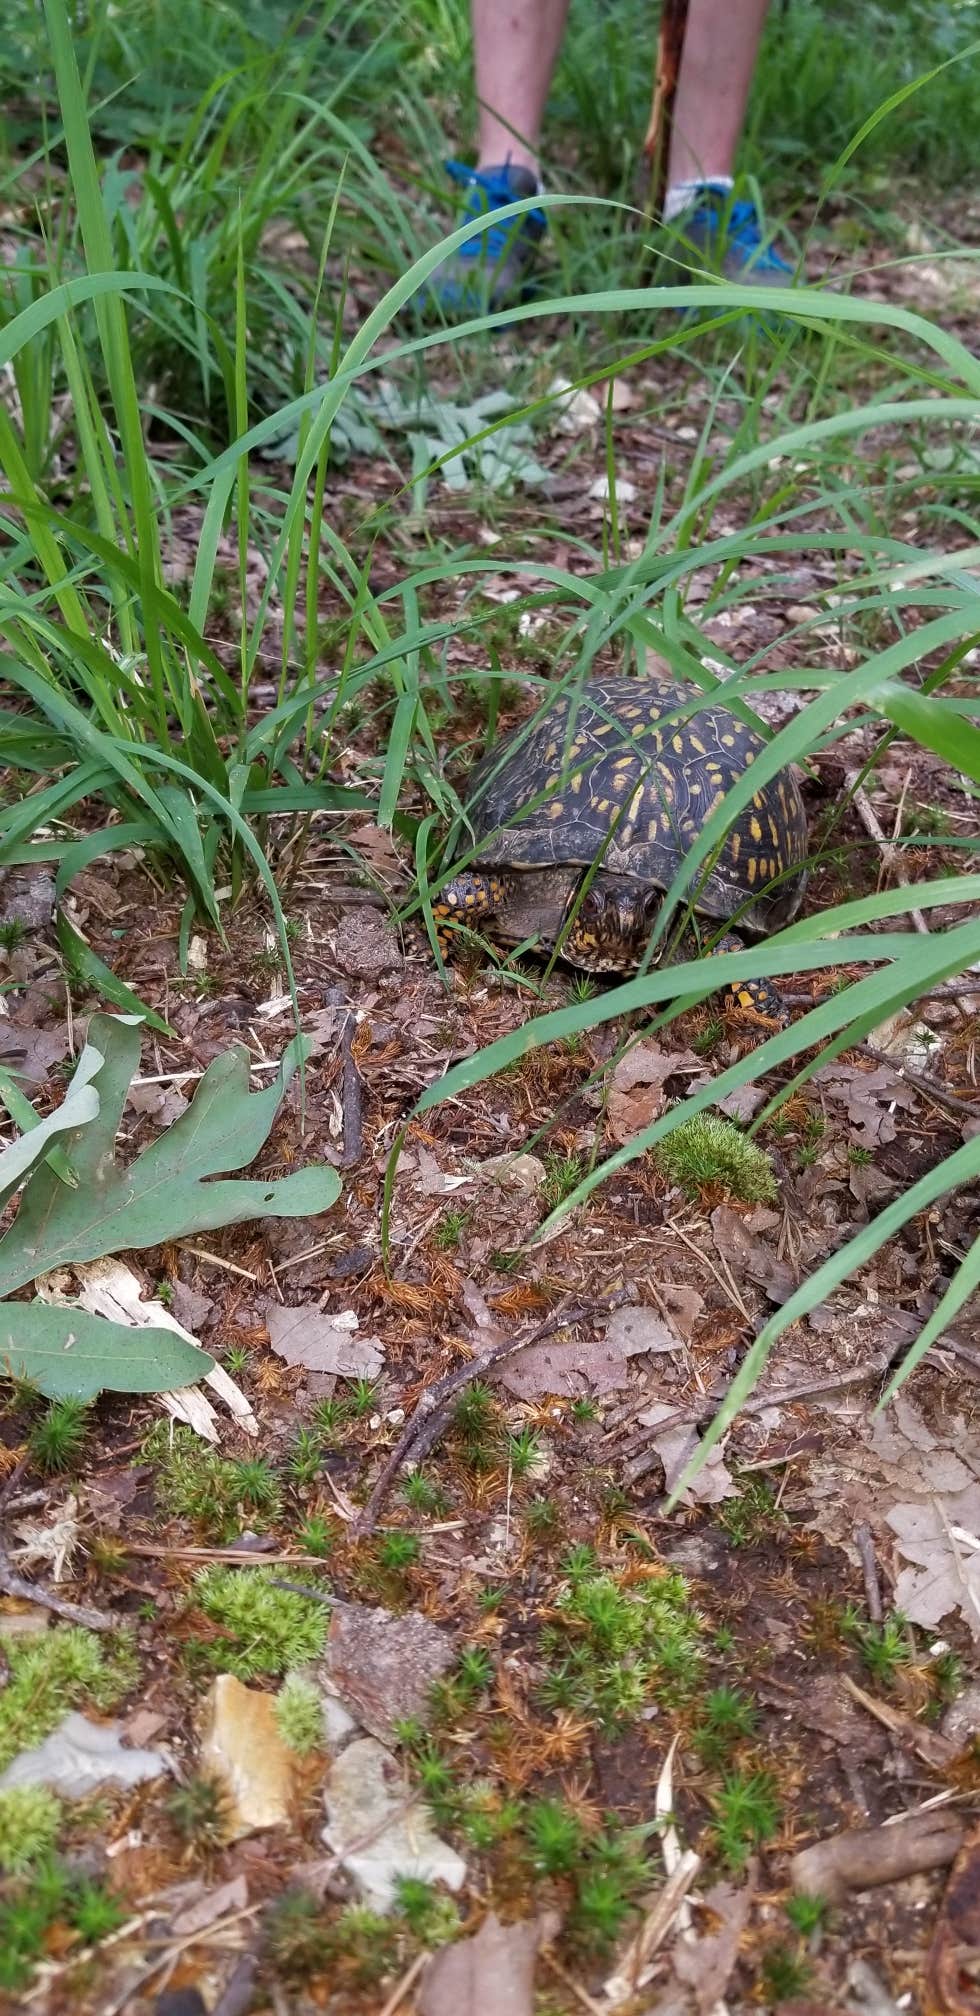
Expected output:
(364, 945)
(382, 1666)
(243, 1749)
(79, 1756)
(379, 1834)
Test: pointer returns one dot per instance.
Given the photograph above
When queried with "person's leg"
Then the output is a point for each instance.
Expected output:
(515, 49)
(721, 43)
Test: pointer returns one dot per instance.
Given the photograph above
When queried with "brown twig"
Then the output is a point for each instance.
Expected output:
(432, 1414)
(12, 1584)
(931, 1088)
(891, 856)
(869, 1569)
(670, 50)
(351, 1087)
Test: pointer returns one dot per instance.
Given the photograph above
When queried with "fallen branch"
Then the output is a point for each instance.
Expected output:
(864, 1860)
(432, 1415)
(12, 1584)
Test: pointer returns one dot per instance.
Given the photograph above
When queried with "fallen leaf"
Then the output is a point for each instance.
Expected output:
(744, 1103)
(707, 1964)
(435, 1182)
(163, 1103)
(53, 1541)
(746, 1255)
(684, 1306)
(953, 1966)
(79, 1756)
(219, 1903)
(383, 1667)
(601, 490)
(32, 1054)
(577, 408)
(322, 1341)
(489, 1974)
(597, 1365)
(676, 1446)
(940, 1540)
(109, 1289)
(376, 1832)
(243, 1750)
(870, 1186)
(636, 1094)
(868, 1098)
(636, 1328)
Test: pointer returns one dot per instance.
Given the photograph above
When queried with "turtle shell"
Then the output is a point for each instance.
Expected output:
(610, 772)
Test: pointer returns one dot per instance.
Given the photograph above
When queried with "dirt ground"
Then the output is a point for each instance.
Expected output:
(827, 1550)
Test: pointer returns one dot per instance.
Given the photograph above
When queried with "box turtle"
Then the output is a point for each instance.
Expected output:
(580, 824)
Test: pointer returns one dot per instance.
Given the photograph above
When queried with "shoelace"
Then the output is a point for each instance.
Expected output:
(494, 187)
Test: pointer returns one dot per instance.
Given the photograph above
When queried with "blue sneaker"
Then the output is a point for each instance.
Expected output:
(492, 270)
(727, 237)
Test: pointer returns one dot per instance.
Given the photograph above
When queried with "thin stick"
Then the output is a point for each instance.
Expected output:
(670, 50)
(407, 1981)
(12, 1584)
(891, 856)
(869, 1568)
(431, 1415)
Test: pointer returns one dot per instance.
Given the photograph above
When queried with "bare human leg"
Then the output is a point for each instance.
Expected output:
(720, 48)
(515, 49)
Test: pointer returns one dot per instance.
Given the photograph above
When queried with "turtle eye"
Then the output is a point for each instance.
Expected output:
(593, 903)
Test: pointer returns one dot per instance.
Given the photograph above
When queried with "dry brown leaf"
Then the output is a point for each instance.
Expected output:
(707, 1964)
(491, 1974)
(323, 1342)
(746, 1255)
(596, 1364)
(869, 1099)
(637, 1095)
(676, 1446)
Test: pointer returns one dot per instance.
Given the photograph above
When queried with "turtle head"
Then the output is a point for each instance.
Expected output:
(610, 924)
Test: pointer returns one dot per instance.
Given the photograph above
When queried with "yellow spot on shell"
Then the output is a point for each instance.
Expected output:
(694, 743)
(728, 741)
(773, 831)
(677, 744)
(758, 803)
(751, 868)
(736, 845)
(754, 827)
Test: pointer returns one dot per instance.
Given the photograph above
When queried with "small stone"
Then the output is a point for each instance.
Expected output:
(382, 1666)
(243, 1749)
(79, 1756)
(375, 1835)
(961, 1721)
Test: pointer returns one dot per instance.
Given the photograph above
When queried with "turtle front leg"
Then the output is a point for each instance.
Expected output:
(470, 896)
(756, 998)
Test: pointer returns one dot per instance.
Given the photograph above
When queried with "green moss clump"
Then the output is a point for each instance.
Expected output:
(30, 1817)
(707, 1152)
(53, 1672)
(299, 1714)
(268, 1629)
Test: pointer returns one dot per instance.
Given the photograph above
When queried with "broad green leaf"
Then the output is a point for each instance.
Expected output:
(163, 1194)
(79, 1108)
(71, 1354)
